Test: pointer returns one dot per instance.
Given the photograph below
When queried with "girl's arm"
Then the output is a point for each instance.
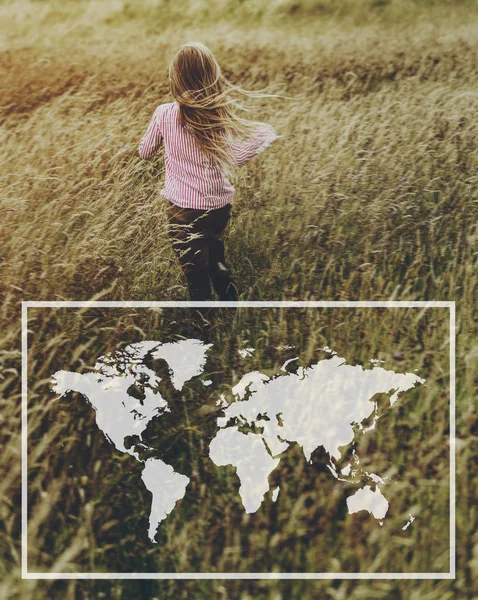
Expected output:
(245, 150)
(152, 139)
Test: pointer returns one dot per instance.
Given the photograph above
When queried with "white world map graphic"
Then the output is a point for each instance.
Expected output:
(318, 406)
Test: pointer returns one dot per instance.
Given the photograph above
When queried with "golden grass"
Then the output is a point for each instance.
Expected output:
(371, 195)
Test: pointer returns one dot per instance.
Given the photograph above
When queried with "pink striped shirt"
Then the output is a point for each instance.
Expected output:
(192, 180)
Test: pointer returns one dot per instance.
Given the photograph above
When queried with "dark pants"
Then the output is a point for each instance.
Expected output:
(196, 236)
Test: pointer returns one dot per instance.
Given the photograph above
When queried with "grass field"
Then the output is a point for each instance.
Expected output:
(371, 195)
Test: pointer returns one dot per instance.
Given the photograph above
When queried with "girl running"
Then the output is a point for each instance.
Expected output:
(204, 137)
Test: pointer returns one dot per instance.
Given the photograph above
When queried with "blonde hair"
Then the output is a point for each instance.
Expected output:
(207, 103)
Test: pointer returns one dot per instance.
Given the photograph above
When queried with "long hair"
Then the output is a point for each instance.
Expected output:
(207, 103)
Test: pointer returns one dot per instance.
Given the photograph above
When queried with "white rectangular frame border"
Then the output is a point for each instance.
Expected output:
(244, 304)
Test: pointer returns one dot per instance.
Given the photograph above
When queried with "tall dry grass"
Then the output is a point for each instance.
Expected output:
(370, 195)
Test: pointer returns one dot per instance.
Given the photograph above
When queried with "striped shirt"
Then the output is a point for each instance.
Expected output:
(192, 180)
